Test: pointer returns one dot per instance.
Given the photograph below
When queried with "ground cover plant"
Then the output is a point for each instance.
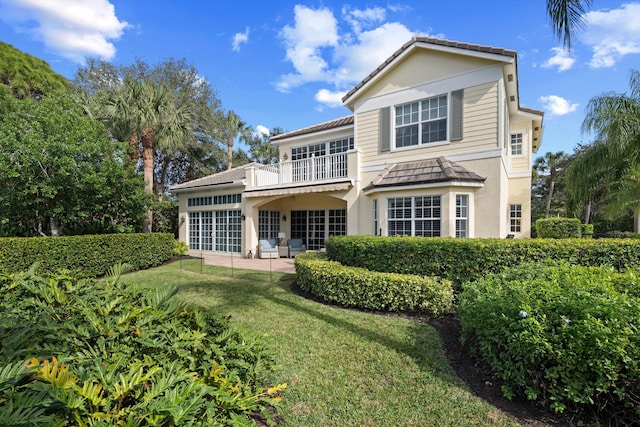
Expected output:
(342, 367)
(104, 353)
(562, 335)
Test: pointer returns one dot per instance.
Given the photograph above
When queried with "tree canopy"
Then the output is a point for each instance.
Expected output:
(61, 173)
(26, 75)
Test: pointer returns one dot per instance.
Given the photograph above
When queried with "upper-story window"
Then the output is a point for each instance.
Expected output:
(321, 149)
(421, 122)
(516, 144)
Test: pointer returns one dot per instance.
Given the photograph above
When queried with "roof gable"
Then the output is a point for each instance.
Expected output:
(473, 50)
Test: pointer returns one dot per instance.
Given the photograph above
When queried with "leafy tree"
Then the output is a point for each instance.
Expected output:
(26, 75)
(549, 168)
(60, 173)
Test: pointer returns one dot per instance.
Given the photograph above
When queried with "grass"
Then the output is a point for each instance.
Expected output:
(343, 367)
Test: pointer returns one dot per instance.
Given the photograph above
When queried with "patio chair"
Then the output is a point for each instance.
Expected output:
(295, 247)
(268, 249)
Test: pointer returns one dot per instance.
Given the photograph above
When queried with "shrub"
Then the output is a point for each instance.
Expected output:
(587, 231)
(462, 260)
(180, 247)
(81, 352)
(558, 228)
(358, 287)
(561, 335)
(92, 255)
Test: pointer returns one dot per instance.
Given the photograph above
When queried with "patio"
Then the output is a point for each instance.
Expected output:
(281, 265)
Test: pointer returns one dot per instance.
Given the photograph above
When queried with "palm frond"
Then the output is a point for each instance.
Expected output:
(566, 16)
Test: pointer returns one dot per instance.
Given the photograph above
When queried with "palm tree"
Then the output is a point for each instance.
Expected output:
(550, 166)
(231, 126)
(566, 17)
(146, 113)
(615, 120)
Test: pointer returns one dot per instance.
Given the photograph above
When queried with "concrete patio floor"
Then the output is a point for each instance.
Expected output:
(282, 265)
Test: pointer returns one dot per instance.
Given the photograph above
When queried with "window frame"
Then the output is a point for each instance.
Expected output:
(462, 219)
(516, 144)
(415, 117)
(420, 220)
(515, 217)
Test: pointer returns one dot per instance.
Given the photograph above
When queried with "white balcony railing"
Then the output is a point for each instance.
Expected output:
(311, 170)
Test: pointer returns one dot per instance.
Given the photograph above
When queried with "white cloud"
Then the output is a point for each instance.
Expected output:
(557, 105)
(562, 59)
(368, 51)
(359, 18)
(314, 29)
(612, 34)
(323, 49)
(74, 29)
(240, 38)
(262, 130)
(329, 98)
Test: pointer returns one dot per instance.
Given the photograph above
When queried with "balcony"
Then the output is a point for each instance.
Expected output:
(310, 171)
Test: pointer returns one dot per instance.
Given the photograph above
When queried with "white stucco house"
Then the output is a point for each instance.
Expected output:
(437, 145)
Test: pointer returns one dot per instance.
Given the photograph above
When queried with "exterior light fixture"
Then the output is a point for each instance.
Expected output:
(285, 157)
(284, 218)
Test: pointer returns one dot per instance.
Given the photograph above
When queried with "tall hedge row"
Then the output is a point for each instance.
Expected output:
(462, 260)
(92, 255)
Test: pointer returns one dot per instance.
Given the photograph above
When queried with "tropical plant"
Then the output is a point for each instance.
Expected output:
(101, 353)
(614, 119)
(230, 127)
(549, 168)
(566, 17)
(260, 148)
(146, 112)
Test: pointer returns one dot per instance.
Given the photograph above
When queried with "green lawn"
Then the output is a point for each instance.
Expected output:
(342, 367)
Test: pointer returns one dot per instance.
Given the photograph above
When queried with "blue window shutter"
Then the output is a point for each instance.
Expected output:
(456, 121)
(384, 129)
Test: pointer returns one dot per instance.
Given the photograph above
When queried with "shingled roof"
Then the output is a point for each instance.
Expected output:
(423, 172)
(231, 176)
(436, 42)
(332, 124)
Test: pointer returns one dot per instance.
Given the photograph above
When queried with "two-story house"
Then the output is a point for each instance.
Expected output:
(437, 145)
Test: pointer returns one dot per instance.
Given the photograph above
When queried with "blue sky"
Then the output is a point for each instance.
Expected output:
(287, 64)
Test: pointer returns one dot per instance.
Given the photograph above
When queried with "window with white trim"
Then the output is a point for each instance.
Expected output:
(414, 216)
(515, 218)
(516, 144)
(421, 122)
(375, 217)
(462, 215)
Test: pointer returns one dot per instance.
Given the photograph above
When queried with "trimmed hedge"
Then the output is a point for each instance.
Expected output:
(91, 255)
(361, 288)
(462, 260)
(558, 228)
(561, 335)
